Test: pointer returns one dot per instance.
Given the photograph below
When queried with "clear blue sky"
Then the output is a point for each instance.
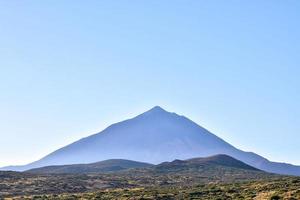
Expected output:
(70, 68)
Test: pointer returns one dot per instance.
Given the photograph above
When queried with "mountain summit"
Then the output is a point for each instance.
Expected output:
(155, 136)
(156, 109)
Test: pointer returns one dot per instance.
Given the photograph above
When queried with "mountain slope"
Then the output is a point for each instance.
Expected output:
(115, 165)
(223, 161)
(112, 165)
(218, 168)
(154, 137)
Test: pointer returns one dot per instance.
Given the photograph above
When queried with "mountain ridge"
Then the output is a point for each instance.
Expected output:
(211, 161)
(105, 166)
(116, 165)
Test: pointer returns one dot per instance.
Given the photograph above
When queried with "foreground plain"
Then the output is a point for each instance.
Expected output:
(284, 188)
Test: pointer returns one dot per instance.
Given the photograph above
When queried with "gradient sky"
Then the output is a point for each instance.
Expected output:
(70, 68)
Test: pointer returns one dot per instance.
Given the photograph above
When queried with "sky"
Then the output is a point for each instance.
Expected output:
(68, 69)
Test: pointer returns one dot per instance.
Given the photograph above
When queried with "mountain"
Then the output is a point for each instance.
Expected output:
(105, 166)
(155, 136)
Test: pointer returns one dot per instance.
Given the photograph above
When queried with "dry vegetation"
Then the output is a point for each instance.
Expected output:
(149, 185)
(285, 188)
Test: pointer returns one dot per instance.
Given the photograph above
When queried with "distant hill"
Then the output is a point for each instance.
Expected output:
(218, 168)
(196, 174)
(210, 165)
(208, 162)
(98, 167)
(11, 174)
(153, 137)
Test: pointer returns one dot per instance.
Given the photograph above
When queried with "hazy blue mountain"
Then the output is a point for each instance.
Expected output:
(155, 136)
(105, 166)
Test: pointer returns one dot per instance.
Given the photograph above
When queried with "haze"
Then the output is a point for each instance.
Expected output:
(69, 69)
